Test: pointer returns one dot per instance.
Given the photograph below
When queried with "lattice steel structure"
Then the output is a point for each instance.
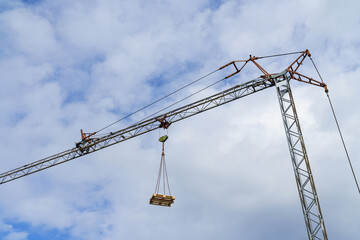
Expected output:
(95, 144)
(309, 200)
(304, 179)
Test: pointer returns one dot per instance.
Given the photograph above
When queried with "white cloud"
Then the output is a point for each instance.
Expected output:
(29, 33)
(16, 236)
(10, 234)
(68, 65)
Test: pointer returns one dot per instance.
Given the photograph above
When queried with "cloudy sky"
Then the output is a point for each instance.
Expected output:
(68, 65)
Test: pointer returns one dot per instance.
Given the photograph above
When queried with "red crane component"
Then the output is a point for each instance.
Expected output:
(163, 123)
(86, 136)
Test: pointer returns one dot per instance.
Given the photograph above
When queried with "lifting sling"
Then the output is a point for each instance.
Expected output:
(162, 182)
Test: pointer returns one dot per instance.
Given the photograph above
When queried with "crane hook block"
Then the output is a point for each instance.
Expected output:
(163, 123)
(163, 138)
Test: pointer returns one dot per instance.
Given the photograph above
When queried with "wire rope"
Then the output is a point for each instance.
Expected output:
(269, 56)
(185, 86)
(279, 55)
(158, 100)
(167, 179)
(343, 142)
(339, 130)
(181, 100)
(162, 175)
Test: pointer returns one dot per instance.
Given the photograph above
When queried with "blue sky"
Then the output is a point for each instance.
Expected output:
(70, 65)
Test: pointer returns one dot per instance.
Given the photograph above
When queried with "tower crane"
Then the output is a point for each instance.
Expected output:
(309, 199)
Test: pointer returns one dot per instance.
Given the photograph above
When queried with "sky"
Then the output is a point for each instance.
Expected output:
(70, 65)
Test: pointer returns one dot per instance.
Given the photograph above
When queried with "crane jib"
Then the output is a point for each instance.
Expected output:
(94, 144)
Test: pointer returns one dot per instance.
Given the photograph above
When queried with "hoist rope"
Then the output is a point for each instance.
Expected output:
(158, 100)
(338, 127)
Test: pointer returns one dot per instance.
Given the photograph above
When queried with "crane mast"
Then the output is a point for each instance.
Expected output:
(309, 200)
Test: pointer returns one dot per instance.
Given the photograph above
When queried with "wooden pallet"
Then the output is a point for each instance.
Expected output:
(162, 200)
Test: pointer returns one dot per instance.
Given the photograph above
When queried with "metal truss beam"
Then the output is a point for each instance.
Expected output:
(94, 144)
(304, 179)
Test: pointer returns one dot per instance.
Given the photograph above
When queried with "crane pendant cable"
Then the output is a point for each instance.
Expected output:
(178, 90)
(338, 127)
(158, 100)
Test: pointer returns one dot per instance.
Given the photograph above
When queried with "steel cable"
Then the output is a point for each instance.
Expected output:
(343, 142)
(339, 130)
(158, 100)
(183, 99)
(279, 55)
(187, 85)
